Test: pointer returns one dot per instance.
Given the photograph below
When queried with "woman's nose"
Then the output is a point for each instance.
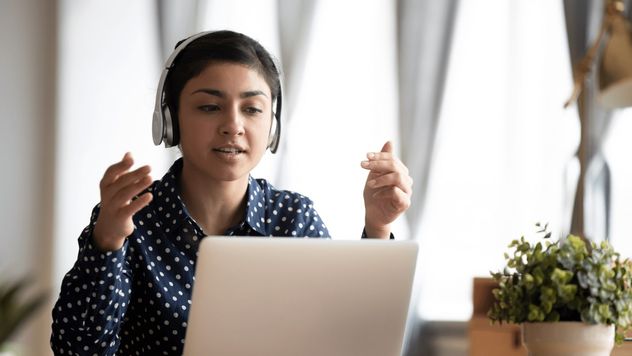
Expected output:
(232, 125)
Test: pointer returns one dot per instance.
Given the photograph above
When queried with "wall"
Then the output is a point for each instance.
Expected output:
(27, 131)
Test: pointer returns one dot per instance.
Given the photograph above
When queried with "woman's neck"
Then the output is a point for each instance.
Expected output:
(215, 205)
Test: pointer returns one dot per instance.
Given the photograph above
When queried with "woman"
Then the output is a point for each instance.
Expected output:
(129, 291)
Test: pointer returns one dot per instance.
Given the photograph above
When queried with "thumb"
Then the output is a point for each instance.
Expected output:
(388, 147)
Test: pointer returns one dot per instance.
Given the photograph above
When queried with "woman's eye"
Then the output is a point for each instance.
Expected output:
(253, 110)
(208, 108)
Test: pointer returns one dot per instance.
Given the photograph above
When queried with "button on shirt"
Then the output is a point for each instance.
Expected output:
(136, 300)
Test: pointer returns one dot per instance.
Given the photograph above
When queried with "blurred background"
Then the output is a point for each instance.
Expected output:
(471, 92)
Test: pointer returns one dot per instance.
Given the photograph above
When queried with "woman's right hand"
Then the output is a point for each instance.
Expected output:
(119, 188)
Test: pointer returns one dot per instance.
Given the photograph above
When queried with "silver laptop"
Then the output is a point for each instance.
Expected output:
(300, 297)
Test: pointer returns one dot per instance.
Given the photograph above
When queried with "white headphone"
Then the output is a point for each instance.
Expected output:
(165, 128)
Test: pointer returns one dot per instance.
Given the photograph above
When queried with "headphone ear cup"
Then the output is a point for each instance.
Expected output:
(157, 127)
(273, 130)
(175, 129)
(169, 129)
(275, 138)
(275, 134)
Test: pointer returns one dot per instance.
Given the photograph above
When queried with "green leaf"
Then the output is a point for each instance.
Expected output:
(561, 277)
(535, 313)
(14, 309)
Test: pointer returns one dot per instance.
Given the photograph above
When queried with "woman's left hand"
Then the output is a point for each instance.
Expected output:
(387, 191)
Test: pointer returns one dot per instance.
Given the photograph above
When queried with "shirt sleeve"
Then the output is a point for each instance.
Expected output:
(94, 296)
(364, 235)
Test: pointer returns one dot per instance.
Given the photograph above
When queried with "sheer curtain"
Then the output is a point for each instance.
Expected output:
(347, 107)
(108, 69)
(176, 21)
(295, 30)
(424, 36)
(502, 144)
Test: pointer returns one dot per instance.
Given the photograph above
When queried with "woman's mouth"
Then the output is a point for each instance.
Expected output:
(229, 150)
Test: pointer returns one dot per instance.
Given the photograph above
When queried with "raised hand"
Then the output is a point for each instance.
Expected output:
(387, 191)
(119, 202)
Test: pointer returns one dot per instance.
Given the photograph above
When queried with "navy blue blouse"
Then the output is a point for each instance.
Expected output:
(135, 301)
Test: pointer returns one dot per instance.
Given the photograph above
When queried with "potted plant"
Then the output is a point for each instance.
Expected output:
(15, 309)
(571, 296)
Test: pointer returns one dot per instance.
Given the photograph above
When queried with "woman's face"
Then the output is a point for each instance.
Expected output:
(225, 116)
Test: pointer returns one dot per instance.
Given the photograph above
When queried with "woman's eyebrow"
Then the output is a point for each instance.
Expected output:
(208, 91)
(220, 94)
(248, 94)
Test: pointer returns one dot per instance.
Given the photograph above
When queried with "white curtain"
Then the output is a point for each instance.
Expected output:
(424, 37)
(108, 70)
(346, 108)
(501, 146)
(295, 27)
(424, 41)
(177, 20)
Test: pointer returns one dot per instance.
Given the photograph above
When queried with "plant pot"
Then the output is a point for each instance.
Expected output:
(568, 338)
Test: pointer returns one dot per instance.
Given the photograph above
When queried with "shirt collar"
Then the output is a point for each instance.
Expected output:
(172, 211)
(255, 207)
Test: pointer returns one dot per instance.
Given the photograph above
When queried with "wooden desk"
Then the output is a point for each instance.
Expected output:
(494, 340)
(486, 339)
(623, 350)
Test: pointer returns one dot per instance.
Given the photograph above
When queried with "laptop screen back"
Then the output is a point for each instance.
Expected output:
(289, 296)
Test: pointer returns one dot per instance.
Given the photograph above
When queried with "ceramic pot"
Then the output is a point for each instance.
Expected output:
(568, 338)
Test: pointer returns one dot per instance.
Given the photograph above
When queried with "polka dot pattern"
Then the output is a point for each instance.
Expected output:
(136, 300)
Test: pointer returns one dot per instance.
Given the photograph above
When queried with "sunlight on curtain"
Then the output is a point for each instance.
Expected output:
(108, 73)
(347, 107)
(255, 18)
(503, 148)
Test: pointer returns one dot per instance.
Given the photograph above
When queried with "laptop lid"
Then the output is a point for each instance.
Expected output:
(293, 296)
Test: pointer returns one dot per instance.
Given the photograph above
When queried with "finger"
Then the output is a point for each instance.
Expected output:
(373, 156)
(385, 153)
(385, 166)
(128, 178)
(388, 147)
(124, 180)
(392, 179)
(136, 204)
(113, 171)
(398, 200)
(123, 196)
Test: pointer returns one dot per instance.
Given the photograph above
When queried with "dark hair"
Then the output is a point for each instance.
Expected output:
(220, 46)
